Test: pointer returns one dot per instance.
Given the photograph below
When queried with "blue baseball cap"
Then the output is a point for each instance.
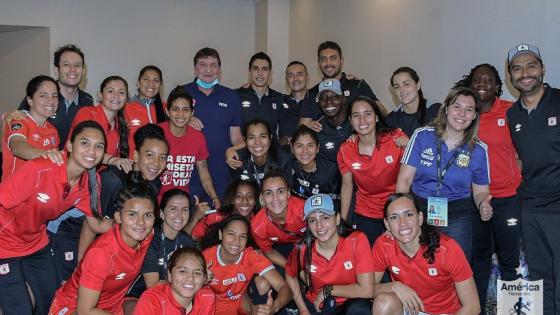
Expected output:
(330, 85)
(319, 202)
(524, 49)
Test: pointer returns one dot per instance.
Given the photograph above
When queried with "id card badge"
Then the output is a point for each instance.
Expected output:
(437, 211)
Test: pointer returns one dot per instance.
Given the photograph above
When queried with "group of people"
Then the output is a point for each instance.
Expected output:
(221, 201)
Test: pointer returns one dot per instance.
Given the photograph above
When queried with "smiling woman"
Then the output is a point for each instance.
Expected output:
(114, 259)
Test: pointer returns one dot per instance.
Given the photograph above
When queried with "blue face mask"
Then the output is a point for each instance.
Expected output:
(205, 85)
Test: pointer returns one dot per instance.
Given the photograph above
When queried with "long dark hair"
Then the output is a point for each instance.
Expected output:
(343, 230)
(160, 113)
(421, 112)
(93, 184)
(272, 154)
(231, 191)
(212, 236)
(429, 236)
(381, 126)
(122, 126)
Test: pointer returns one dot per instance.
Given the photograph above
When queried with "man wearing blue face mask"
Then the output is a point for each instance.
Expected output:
(218, 110)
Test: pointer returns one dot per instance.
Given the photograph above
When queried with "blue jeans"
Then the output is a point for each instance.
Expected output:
(460, 229)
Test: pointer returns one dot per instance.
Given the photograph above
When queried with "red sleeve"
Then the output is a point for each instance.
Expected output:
(20, 186)
(16, 127)
(148, 304)
(364, 263)
(400, 133)
(378, 255)
(259, 263)
(292, 264)
(258, 230)
(340, 160)
(456, 263)
(199, 229)
(95, 266)
(203, 148)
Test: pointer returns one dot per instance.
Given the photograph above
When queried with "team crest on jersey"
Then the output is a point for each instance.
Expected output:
(69, 256)
(4, 269)
(273, 105)
(246, 104)
(16, 126)
(501, 122)
(432, 271)
(552, 121)
(241, 277)
(463, 160)
(346, 93)
(389, 159)
(348, 265)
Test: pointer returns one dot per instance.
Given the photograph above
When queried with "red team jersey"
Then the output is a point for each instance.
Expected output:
(265, 232)
(97, 114)
(350, 259)
(138, 115)
(37, 193)
(41, 137)
(505, 175)
(434, 283)
(109, 266)
(184, 152)
(159, 300)
(375, 176)
(201, 226)
(231, 281)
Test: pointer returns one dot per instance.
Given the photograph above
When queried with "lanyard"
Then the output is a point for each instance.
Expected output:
(164, 249)
(256, 171)
(441, 172)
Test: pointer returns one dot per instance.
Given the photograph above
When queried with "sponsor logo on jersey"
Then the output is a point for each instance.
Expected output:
(356, 166)
(222, 104)
(517, 127)
(511, 221)
(135, 122)
(329, 145)
(286, 106)
(428, 154)
(35, 137)
(229, 281)
(120, 276)
(42, 197)
(16, 126)
(246, 104)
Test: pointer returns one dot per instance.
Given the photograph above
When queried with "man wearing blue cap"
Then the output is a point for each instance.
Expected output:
(534, 122)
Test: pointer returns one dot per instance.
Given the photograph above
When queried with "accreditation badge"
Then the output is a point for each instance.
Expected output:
(463, 160)
(437, 211)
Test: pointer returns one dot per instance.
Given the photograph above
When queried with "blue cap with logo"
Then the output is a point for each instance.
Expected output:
(330, 85)
(319, 202)
(524, 49)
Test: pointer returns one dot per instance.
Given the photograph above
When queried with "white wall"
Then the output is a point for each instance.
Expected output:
(26, 56)
(442, 40)
(119, 37)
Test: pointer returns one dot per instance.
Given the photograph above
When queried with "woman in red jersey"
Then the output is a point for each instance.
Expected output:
(113, 93)
(113, 260)
(243, 280)
(429, 271)
(184, 292)
(333, 263)
(32, 136)
(240, 197)
(371, 164)
(39, 191)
